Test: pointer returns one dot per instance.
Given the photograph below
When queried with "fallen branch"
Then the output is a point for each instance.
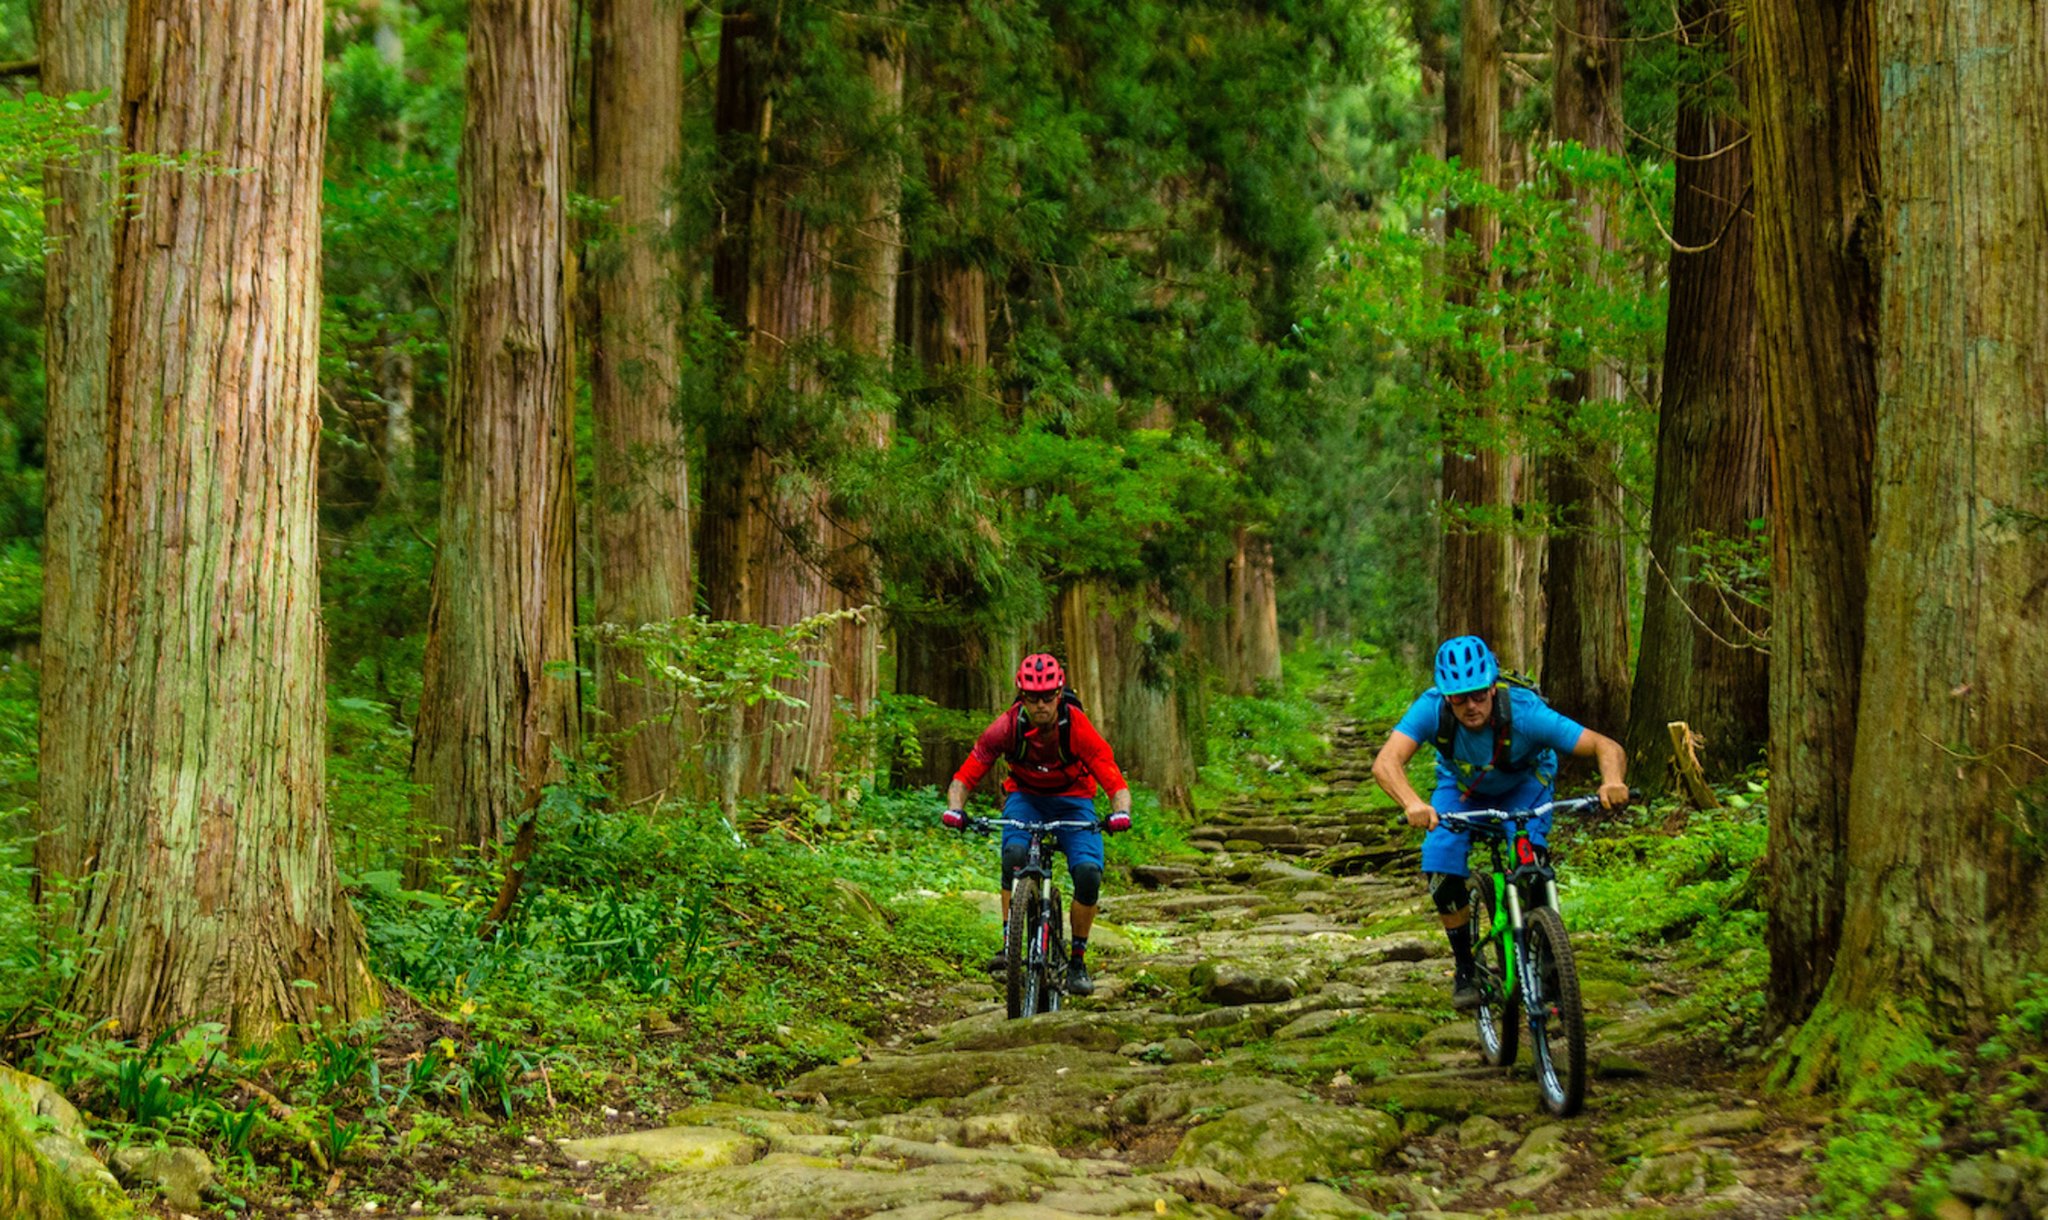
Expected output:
(1685, 760)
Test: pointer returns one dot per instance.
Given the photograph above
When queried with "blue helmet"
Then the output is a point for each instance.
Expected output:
(1465, 664)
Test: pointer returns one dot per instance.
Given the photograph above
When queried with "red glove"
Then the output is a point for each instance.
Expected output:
(954, 819)
(1118, 821)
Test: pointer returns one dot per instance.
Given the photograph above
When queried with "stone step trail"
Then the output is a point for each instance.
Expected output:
(1270, 1038)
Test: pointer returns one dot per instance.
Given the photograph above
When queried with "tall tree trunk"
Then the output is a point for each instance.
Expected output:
(641, 514)
(941, 654)
(866, 323)
(1474, 577)
(215, 896)
(1701, 660)
(1252, 623)
(1133, 694)
(492, 716)
(762, 534)
(82, 45)
(395, 366)
(1944, 886)
(1814, 115)
(1585, 645)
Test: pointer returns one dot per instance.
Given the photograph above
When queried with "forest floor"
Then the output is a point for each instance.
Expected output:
(1271, 1036)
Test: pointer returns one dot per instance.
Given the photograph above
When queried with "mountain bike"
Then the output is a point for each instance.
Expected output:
(1523, 958)
(1035, 952)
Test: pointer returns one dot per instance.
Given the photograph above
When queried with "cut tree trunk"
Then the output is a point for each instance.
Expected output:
(1703, 657)
(1815, 157)
(492, 714)
(640, 513)
(82, 46)
(1944, 884)
(213, 894)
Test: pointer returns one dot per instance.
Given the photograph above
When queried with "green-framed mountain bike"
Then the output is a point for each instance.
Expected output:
(1524, 958)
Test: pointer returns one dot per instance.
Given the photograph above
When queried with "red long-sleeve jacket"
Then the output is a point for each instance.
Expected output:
(1042, 773)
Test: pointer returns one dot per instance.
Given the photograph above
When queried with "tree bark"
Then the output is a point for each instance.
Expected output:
(1814, 116)
(867, 328)
(1702, 659)
(492, 716)
(82, 47)
(1944, 885)
(1133, 693)
(763, 533)
(1474, 579)
(1585, 585)
(641, 513)
(214, 895)
(1251, 635)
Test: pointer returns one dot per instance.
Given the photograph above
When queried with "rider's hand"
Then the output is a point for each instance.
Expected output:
(1118, 822)
(1614, 796)
(954, 819)
(1422, 814)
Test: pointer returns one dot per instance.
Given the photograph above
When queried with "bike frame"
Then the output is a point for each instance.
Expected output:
(1044, 843)
(1510, 919)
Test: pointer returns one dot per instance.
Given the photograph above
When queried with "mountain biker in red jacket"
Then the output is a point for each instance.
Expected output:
(1057, 760)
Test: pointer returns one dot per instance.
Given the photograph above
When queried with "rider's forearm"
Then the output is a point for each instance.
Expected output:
(1613, 761)
(1120, 801)
(956, 795)
(1393, 780)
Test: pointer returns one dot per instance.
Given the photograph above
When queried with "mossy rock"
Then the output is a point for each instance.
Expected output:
(766, 1123)
(33, 1187)
(1451, 1098)
(1290, 1141)
(1175, 1101)
(1082, 1028)
(880, 1085)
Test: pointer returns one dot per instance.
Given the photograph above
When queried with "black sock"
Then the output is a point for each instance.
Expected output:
(1461, 946)
(1080, 948)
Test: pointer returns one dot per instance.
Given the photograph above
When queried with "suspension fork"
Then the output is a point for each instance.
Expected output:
(1507, 922)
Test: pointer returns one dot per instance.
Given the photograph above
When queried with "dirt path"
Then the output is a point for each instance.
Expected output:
(1271, 1037)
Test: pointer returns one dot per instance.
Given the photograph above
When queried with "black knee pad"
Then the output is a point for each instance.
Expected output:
(1449, 892)
(1087, 883)
(1014, 856)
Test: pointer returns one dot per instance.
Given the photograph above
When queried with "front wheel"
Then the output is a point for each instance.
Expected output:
(1558, 1026)
(1498, 1015)
(1022, 975)
(1052, 981)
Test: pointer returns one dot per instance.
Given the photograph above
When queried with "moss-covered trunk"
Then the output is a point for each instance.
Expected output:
(492, 715)
(1813, 105)
(1585, 586)
(212, 894)
(81, 44)
(1704, 659)
(640, 512)
(1944, 886)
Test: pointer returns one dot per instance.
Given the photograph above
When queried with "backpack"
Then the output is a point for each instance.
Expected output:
(1503, 722)
(1069, 704)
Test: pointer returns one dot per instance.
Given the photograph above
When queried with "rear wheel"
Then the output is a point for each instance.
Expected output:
(1021, 974)
(1053, 983)
(1558, 1029)
(1498, 1016)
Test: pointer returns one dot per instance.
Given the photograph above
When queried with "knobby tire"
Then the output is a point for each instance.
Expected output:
(1052, 985)
(1559, 1040)
(1499, 1015)
(1022, 977)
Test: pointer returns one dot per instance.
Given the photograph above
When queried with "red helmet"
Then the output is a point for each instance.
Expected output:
(1040, 672)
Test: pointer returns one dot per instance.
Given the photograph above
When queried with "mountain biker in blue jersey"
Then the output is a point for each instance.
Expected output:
(1497, 744)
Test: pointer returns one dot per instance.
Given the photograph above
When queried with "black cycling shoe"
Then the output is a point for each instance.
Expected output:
(998, 964)
(1078, 982)
(1464, 992)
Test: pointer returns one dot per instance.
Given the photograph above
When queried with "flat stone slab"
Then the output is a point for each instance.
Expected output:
(787, 1185)
(1291, 1141)
(669, 1149)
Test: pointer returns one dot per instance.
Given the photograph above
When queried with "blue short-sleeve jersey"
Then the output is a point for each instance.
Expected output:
(1540, 732)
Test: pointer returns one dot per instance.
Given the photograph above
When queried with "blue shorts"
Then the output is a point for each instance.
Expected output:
(1079, 846)
(1446, 851)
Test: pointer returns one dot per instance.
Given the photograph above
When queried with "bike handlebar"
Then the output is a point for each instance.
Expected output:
(1468, 820)
(986, 825)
